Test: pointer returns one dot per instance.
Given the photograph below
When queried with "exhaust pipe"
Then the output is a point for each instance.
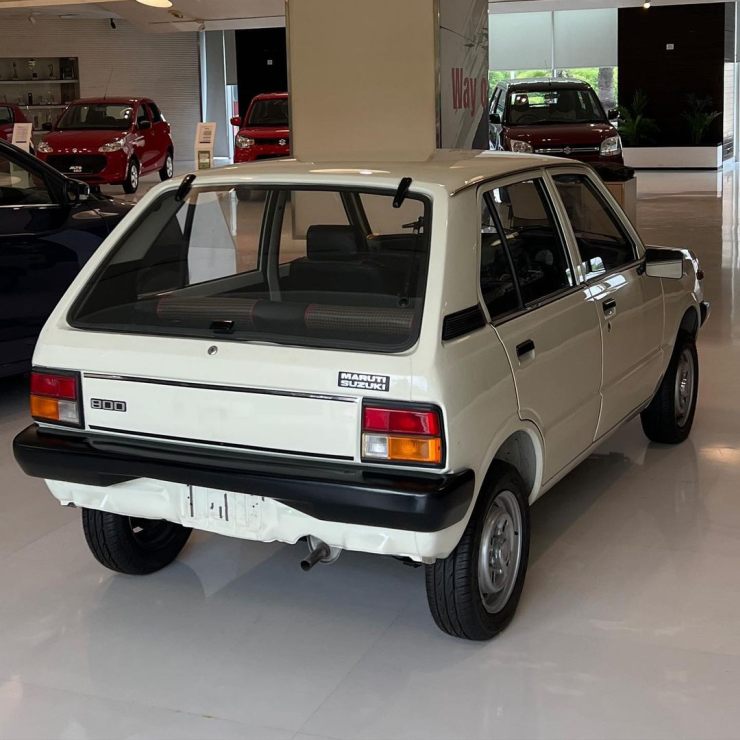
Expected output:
(319, 552)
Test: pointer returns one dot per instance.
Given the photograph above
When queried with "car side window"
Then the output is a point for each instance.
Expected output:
(533, 240)
(500, 104)
(603, 243)
(494, 100)
(6, 115)
(20, 186)
(496, 274)
(141, 115)
(155, 113)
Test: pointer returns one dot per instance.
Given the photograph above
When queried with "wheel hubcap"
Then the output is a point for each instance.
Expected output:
(150, 533)
(500, 551)
(169, 167)
(684, 388)
(134, 175)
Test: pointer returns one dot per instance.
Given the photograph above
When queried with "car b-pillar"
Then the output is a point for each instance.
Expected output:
(387, 79)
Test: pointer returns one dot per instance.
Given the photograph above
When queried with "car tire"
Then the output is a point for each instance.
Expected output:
(133, 171)
(168, 169)
(473, 593)
(133, 546)
(669, 417)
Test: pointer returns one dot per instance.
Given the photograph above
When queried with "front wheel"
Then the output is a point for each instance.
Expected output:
(131, 545)
(131, 183)
(168, 169)
(670, 415)
(473, 593)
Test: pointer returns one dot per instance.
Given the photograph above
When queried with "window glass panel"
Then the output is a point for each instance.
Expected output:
(155, 112)
(19, 186)
(281, 265)
(602, 242)
(496, 278)
(6, 115)
(532, 237)
(141, 115)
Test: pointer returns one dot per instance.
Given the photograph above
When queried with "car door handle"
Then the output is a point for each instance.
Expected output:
(524, 348)
(609, 306)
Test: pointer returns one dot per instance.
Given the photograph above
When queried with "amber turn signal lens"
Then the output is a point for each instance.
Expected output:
(415, 449)
(45, 408)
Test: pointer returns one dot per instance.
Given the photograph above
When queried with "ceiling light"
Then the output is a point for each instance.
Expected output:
(156, 3)
(645, 5)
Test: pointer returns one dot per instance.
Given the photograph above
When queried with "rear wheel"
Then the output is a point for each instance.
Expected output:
(132, 545)
(131, 183)
(670, 415)
(168, 169)
(474, 592)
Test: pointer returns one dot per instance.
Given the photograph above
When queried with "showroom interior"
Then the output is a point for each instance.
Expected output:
(356, 434)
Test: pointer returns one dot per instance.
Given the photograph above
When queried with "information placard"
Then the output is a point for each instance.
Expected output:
(205, 137)
(22, 135)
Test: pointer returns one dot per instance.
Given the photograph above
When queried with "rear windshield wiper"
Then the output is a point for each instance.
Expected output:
(403, 189)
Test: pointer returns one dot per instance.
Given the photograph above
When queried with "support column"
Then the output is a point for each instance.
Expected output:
(386, 80)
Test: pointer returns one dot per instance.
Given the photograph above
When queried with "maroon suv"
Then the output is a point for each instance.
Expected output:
(559, 116)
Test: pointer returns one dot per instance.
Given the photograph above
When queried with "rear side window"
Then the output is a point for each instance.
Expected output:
(535, 250)
(6, 115)
(603, 243)
(329, 268)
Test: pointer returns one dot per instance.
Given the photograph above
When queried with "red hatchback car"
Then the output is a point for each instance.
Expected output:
(110, 141)
(10, 115)
(557, 116)
(264, 132)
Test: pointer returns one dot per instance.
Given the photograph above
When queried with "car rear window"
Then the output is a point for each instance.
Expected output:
(331, 268)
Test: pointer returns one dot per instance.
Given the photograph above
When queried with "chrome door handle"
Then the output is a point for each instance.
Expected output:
(609, 306)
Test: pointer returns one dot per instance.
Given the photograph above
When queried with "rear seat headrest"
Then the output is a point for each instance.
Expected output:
(332, 242)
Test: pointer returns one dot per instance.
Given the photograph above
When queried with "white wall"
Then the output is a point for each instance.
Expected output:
(164, 67)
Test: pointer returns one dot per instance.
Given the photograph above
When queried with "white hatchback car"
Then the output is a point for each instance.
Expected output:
(391, 358)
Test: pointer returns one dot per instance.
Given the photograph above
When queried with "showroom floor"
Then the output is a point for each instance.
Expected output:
(629, 625)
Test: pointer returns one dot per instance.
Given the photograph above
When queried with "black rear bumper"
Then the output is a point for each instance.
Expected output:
(421, 502)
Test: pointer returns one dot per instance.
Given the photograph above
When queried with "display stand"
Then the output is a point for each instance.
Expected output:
(205, 137)
(625, 193)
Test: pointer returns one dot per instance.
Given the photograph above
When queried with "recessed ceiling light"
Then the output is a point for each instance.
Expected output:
(156, 3)
(645, 5)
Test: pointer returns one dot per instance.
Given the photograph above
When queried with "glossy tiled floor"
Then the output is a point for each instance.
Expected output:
(629, 626)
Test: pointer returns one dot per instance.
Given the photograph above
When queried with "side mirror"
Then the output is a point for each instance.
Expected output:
(664, 263)
(77, 191)
(236, 121)
(144, 125)
(494, 118)
(46, 126)
(613, 114)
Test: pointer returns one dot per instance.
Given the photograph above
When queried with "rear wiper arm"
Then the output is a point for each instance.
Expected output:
(184, 189)
(403, 189)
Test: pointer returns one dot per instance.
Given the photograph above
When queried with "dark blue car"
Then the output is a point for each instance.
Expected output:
(49, 227)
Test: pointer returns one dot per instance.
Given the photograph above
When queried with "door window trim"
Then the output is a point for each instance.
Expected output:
(609, 202)
(484, 189)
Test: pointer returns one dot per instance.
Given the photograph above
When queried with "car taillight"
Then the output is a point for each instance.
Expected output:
(396, 434)
(55, 396)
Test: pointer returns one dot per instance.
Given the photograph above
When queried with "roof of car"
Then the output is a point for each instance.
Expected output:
(548, 83)
(112, 100)
(453, 169)
(270, 96)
